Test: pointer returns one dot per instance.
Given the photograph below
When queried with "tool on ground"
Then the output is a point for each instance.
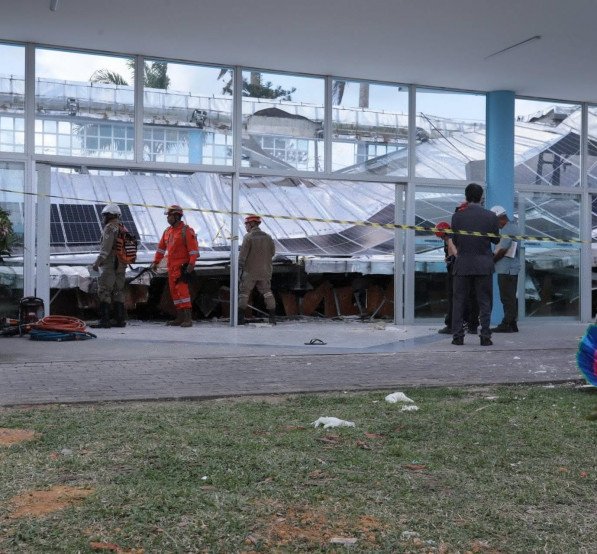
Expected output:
(31, 309)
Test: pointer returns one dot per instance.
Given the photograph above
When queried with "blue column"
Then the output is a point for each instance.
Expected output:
(499, 148)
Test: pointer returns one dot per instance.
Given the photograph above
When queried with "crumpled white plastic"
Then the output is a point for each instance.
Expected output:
(332, 422)
(411, 408)
(398, 397)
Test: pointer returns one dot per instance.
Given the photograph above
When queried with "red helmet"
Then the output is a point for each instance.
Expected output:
(253, 219)
(173, 209)
(441, 225)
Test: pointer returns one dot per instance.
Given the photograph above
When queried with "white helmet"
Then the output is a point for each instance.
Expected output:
(112, 209)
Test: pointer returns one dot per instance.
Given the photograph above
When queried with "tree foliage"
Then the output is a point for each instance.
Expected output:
(108, 77)
(155, 75)
(6, 232)
(256, 88)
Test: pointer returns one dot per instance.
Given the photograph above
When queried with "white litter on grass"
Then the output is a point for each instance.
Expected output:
(490, 397)
(411, 408)
(407, 535)
(204, 478)
(516, 358)
(345, 541)
(398, 397)
(328, 422)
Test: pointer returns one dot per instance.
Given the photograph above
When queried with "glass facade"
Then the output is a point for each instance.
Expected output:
(551, 269)
(12, 236)
(432, 205)
(370, 128)
(450, 135)
(84, 105)
(282, 121)
(187, 113)
(12, 98)
(547, 143)
(85, 108)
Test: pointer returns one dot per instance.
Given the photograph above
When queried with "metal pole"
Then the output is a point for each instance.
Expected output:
(29, 200)
(237, 118)
(42, 265)
(399, 256)
(585, 223)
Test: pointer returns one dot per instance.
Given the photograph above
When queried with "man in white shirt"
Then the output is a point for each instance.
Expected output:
(507, 266)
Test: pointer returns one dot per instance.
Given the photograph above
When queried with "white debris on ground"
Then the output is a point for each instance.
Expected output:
(345, 541)
(328, 422)
(398, 397)
(409, 408)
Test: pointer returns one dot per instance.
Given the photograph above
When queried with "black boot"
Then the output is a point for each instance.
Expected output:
(119, 314)
(241, 316)
(272, 316)
(187, 318)
(104, 319)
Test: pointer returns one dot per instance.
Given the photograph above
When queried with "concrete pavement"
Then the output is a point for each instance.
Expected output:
(148, 361)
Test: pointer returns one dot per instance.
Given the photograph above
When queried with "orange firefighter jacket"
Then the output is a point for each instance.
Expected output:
(181, 243)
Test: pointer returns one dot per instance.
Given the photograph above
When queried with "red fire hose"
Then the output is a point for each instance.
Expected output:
(61, 323)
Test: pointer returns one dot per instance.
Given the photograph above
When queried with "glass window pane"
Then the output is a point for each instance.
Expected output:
(287, 108)
(432, 205)
(12, 177)
(370, 128)
(188, 105)
(74, 93)
(450, 135)
(12, 96)
(547, 143)
(592, 158)
(552, 269)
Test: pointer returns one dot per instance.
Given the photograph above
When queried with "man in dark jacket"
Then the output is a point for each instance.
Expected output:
(474, 266)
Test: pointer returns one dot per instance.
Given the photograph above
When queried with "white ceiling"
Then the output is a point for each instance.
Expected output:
(428, 42)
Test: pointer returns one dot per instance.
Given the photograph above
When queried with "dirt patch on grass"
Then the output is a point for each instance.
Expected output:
(313, 527)
(8, 437)
(41, 503)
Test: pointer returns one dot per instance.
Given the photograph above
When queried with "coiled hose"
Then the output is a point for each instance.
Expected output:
(60, 328)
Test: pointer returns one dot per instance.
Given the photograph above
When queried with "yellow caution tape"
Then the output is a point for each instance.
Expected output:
(391, 226)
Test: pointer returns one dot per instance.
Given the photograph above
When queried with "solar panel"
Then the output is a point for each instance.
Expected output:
(56, 232)
(81, 223)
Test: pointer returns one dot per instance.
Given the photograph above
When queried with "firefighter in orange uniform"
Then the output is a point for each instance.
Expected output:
(181, 243)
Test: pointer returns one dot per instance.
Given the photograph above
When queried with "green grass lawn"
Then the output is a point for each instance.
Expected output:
(501, 469)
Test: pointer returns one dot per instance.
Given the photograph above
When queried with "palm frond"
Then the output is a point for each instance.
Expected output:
(108, 77)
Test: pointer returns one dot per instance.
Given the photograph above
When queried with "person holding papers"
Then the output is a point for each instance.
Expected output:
(507, 266)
